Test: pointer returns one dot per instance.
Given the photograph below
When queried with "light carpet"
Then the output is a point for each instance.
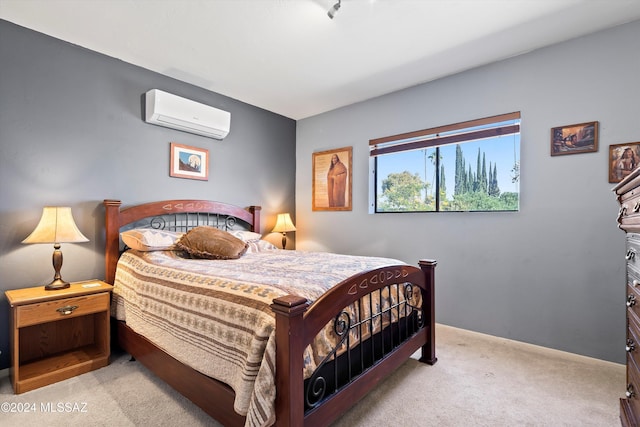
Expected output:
(479, 380)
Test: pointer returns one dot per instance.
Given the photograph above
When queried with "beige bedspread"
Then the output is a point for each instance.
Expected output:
(215, 315)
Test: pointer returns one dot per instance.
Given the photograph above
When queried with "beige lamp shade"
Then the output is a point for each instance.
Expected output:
(284, 224)
(56, 226)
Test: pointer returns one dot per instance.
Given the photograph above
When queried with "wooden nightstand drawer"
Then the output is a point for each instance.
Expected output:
(34, 314)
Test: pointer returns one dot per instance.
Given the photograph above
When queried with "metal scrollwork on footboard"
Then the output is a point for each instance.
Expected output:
(365, 333)
(317, 385)
(408, 293)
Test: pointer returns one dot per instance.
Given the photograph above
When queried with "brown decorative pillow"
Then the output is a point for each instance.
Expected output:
(211, 243)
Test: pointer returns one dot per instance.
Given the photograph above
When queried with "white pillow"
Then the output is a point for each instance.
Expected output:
(259, 246)
(246, 236)
(146, 239)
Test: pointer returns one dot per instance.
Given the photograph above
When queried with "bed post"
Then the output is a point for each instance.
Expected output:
(428, 267)
(112, 238)
(289, 312)
(255, 211)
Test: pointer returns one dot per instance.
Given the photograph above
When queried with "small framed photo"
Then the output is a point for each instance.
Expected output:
(189, 162)
(573, 139)
(623, 159)
(332, 180)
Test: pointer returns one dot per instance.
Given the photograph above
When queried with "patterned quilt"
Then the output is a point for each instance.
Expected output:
(215, 315)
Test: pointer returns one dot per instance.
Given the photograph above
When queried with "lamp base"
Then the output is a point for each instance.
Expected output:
(57, 284)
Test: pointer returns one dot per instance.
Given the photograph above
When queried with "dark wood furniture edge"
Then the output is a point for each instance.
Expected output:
(626, 414)
(627, 220)
(428, 267)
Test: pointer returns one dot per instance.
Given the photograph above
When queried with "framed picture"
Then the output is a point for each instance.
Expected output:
(189, 162)
(573, 139)
(623, 159)
(332, 180)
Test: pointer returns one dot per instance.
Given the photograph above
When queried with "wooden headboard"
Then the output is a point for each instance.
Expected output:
(116, 219)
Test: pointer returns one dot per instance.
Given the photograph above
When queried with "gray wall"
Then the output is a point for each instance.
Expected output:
(71, 134)
(551, 274)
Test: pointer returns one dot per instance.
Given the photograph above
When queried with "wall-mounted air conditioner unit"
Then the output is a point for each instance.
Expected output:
(172, 111)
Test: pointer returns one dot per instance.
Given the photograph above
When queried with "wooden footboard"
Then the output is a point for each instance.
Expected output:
(297, 324)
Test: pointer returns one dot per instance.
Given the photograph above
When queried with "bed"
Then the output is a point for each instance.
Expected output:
(322, 347)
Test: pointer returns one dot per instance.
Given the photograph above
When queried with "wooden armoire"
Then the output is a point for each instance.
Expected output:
(628, 192)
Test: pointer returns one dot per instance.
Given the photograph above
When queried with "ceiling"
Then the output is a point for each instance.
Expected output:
(289, 57)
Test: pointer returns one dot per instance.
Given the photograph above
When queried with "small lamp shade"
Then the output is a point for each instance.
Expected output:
(56, 226)
(284, 225)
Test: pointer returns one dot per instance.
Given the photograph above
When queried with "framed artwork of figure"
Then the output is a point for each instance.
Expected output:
(623, 159)
(332, 180)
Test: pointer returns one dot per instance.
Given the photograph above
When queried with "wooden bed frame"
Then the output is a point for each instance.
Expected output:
(297, 323)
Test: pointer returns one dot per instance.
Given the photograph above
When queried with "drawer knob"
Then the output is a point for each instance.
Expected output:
(68, 309)
(630, 391)
(631, 300)
(636, 207)
(631, 346)
(631, 254)
(635, 282)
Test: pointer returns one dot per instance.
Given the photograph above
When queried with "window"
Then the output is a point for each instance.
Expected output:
(469, 166)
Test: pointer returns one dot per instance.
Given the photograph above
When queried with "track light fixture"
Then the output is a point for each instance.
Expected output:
(334, 9)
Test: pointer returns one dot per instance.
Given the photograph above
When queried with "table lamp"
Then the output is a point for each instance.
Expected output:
(284, 225)
(56, 226)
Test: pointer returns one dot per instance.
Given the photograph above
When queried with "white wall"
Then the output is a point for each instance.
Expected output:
(551, 274)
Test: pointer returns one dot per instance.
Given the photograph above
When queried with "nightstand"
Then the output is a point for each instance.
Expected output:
(59, 334)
